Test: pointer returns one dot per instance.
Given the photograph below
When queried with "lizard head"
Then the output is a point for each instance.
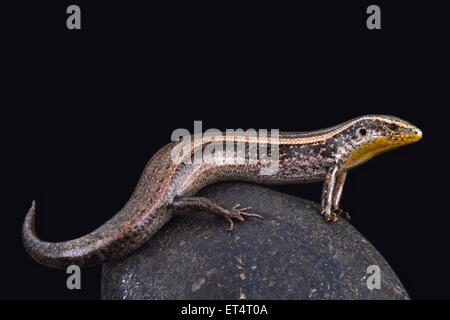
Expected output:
(372, 135)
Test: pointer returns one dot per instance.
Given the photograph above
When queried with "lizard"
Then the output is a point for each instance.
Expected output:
(167, 188)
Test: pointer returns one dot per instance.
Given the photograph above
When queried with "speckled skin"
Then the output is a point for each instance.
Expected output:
(166, 188)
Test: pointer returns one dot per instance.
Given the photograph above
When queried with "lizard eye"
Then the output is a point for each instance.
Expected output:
(393, 126)
(362, 132)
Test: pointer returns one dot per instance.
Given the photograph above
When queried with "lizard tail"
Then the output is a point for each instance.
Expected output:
(116, 238)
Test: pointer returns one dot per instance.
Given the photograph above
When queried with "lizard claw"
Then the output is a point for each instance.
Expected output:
(342, 213)
(236, 212)
(329, 216)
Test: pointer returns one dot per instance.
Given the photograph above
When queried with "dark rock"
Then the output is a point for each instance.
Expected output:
(292, 254)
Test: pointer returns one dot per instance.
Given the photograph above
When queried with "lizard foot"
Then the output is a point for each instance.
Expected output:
(238, 213)
(331, 216)
(342, 213)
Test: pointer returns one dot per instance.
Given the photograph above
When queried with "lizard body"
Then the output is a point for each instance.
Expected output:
(166, 188)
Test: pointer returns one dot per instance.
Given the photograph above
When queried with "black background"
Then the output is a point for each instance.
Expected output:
(83, 111)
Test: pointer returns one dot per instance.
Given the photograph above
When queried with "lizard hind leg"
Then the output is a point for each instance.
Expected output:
(189, 204)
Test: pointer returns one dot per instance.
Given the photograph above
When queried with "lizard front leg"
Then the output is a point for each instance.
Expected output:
(189, 204)
(327, 194)
(337, 195)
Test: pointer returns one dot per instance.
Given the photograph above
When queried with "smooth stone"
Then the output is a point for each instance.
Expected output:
(291, 254)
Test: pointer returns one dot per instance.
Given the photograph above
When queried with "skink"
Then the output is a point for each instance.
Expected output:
(167, 187)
